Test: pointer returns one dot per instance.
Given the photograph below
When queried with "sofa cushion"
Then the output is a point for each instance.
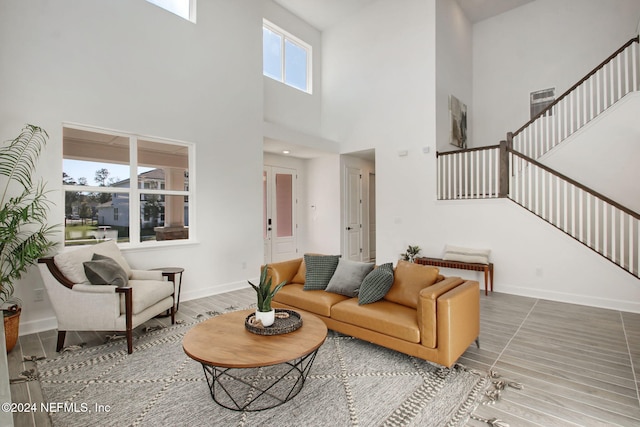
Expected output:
(146, 293)
(315, 301)
(409, 279)
(382, 316)
(319, 270)
(301, 273)
(376, 284)
(102, 270)
(348, 277)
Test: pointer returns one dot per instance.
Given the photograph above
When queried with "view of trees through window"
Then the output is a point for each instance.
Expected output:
(100, 201)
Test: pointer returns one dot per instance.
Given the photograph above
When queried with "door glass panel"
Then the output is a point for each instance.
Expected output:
(284, 204)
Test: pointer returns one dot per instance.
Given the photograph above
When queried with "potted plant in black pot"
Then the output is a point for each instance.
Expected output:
(24, 233)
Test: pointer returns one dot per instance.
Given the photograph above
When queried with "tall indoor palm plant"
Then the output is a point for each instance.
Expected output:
(24, 233)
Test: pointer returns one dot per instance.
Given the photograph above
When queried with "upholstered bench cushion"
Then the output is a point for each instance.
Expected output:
(383, 316)
(317, 302)
(146, 293)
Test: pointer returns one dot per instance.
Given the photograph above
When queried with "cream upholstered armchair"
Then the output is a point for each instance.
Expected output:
(94, 289)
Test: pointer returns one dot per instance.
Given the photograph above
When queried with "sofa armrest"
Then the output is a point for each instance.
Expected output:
(427, 309)
(283, 271)
(458, 317)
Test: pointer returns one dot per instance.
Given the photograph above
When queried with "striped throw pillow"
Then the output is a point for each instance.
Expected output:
(376, 284)
(320, 269)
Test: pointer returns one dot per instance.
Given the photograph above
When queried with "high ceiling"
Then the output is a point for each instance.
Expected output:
(322, 14)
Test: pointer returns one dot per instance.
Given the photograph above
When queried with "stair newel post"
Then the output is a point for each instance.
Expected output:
(505, 146)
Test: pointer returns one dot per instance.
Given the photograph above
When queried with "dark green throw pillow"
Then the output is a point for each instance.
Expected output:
(320, 269)
(102, 270)
(376, 285)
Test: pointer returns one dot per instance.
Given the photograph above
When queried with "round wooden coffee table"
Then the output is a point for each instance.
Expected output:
(250, 372)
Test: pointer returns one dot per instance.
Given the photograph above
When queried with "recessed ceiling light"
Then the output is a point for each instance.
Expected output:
(286, 151)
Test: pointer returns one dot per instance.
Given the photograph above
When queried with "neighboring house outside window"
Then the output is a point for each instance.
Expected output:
(100, 201)
(286, 58)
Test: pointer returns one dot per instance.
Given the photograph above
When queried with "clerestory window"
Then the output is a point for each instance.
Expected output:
(183, 8)
(286, 58)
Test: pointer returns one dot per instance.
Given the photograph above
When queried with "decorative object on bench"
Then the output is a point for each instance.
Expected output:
(24, 235)
(422, 314)
(470, 255)
(411, 253)
(114, 298)
(464, 259)
(264, 313)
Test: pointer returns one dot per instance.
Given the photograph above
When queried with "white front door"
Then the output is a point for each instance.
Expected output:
(279, 214)
(353, 214)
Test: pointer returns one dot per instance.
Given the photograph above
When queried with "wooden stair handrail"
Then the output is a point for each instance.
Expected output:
(636, 39)
(467, 150)
(577, 184)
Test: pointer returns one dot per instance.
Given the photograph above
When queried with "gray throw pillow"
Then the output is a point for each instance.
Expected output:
(348, 277)
(320, 269)
(102, 270)
(376, 285)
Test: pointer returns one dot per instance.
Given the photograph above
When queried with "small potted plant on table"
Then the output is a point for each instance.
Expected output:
(264, 313)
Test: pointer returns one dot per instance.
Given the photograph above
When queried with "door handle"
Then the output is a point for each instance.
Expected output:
(349, 228)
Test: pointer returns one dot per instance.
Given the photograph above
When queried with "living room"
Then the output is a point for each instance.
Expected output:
(164, 76)
(382, 78)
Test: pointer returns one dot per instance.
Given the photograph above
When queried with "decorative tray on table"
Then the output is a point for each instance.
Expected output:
(286, 321)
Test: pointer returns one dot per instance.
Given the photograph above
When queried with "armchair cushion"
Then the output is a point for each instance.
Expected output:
(70, 263)
(102, 270)
(146, 293)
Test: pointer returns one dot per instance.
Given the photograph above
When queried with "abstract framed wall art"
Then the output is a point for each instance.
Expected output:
(458, 122)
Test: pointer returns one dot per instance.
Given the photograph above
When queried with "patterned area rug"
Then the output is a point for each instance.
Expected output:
(352, 382)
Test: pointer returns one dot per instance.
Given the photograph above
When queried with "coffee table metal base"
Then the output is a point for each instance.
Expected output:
(257, 389)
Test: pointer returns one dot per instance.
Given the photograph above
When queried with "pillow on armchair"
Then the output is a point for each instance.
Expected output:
(102, 270)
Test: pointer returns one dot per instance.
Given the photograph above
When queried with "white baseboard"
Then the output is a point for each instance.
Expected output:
(612, 304)
(40, 325)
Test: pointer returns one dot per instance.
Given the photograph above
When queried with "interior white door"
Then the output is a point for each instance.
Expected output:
(353, 214)
(279, 214)
(372, 216)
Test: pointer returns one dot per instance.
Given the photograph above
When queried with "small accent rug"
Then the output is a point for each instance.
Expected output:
(351, 383)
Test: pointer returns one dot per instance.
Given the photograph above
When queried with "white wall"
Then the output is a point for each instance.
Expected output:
(284, 105)
(453, 68)
(385, 98)
(543, 44)
(379, 92)
(134, 67)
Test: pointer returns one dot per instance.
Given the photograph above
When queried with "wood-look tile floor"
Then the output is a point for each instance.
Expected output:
(579, 365)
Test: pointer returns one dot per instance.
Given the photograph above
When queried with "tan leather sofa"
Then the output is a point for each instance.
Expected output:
(442, 326)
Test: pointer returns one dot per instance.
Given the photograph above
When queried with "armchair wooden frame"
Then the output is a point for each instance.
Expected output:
(128, 303)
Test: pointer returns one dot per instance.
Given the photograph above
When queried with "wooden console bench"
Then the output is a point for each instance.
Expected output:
(438, 262)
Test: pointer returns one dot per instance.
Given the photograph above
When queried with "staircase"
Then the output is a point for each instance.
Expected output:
(513, 168)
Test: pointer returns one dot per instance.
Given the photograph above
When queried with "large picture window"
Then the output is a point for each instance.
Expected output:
(101, 202)
(183, 8)
(285, 58)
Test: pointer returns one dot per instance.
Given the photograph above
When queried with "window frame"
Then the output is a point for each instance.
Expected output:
(134, 191)
(284, 37)
(192, 10)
